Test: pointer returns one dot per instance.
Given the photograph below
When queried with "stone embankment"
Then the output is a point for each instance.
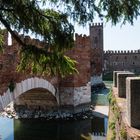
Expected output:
(40, 114)
(124, 114)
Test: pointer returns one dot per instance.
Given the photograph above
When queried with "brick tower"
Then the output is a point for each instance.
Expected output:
(96, 39)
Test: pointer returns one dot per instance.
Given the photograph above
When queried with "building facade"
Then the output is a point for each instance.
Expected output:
(122, 61)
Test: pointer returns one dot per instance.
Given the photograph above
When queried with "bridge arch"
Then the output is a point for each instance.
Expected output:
(24, 86)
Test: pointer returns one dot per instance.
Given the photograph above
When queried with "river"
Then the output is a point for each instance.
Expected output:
(11, 129)
(39, 129)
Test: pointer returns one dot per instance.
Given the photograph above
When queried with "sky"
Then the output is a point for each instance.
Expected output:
(119, 37)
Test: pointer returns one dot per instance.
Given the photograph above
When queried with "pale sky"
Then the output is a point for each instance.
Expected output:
(119, 37)
(125, 37)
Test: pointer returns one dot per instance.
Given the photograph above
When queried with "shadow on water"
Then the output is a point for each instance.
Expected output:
(52, 130)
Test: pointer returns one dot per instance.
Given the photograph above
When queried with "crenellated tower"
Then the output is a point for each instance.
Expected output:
(96, 35)
(96, 41)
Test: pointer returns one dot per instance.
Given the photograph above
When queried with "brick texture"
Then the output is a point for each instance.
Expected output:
(88, 52)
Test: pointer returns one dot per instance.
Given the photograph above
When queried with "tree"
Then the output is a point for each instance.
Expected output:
(51, 20)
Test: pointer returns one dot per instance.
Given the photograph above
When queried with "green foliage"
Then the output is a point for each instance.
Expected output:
(115, 113)
(120, 10)
(112, 125)
(113, 105)
(1, 40)
(51, 21)
(49, 64)
(115, 10)
(51, 26)
(113, 135)
(123, 133)
(116, 118)
(110, 96)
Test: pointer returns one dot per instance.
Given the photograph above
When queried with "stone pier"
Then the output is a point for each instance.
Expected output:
(133, 101)
(115, 77)
(121, 83)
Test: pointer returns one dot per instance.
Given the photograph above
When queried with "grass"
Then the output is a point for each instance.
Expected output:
(114, 118)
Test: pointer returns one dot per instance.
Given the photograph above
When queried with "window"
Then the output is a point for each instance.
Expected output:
(135, 57)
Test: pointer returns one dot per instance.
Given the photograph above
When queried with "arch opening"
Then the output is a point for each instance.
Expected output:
(26, 86)
(36, 99)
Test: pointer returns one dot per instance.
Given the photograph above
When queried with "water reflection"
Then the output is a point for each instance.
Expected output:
(6, 129)
(51, 130)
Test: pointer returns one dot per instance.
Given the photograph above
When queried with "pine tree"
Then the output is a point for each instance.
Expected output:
(51, 20)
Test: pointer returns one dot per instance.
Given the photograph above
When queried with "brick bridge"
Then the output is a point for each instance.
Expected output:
(72, 93)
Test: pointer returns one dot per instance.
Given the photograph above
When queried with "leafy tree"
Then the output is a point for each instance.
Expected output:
(51, 20)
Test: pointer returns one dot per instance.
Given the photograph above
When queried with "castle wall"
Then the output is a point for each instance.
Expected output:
(78, 85)
(9, 59)
(122, 60)
(96, 39)
(73, 90)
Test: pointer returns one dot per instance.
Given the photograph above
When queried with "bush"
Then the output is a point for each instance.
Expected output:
(123, 133)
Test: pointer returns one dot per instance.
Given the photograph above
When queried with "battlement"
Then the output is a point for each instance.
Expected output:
(28, 40)
(82, 40)
(96, 25)
(77, 36)
(122, 52)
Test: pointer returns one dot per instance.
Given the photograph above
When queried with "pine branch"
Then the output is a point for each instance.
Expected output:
(5, 23)
(24, 46)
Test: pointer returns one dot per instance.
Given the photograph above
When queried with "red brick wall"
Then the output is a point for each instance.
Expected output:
(9, 60)
(96, 61)
(96, 38)
(81, 53)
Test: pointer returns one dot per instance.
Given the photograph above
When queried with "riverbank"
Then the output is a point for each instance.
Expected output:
(118, 127)
(100, 109)
(55, 115)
